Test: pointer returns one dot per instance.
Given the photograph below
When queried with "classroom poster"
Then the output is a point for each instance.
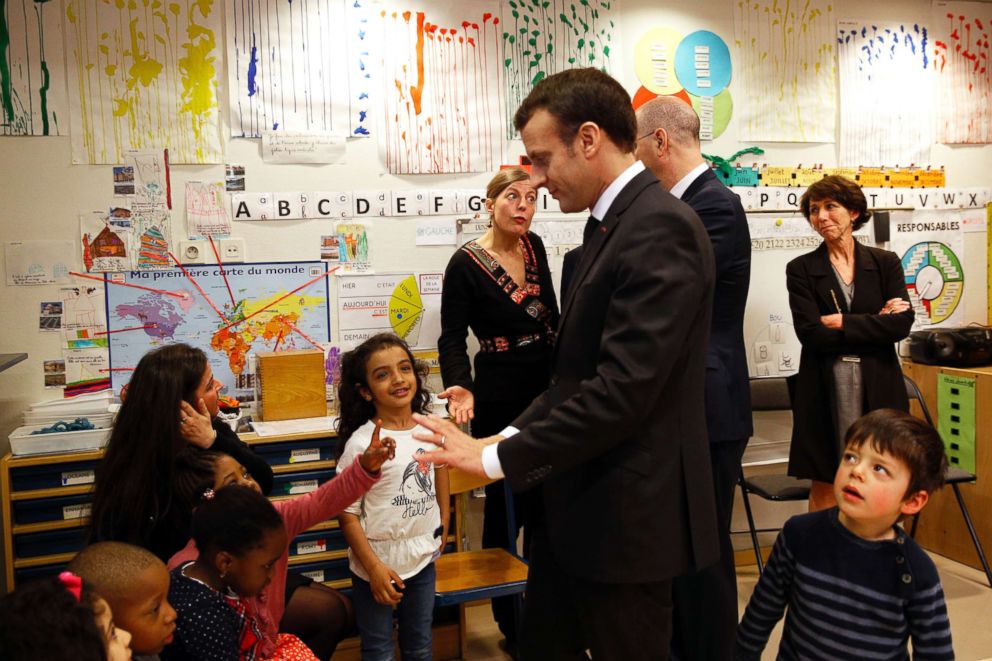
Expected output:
(785, 87)
(931, 246)
(32, 69)
(287, 66)
(408, 304)
(84, 317)
(439, 108)
(144, 78)
(206, 210)
(38, 262)
(886, 93)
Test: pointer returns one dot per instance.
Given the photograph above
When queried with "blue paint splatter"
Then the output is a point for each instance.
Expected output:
(363, 95)
(275, 126)
(252, 69)
(362, 114)
(361, 130)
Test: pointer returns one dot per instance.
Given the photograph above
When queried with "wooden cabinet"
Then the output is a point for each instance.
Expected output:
(942, 528)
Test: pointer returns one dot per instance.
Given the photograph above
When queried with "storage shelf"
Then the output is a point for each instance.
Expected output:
(42, 560)
(324, 464)
(45, 526)
(53, 492)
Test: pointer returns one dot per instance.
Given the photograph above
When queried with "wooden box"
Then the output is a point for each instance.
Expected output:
(290, 384)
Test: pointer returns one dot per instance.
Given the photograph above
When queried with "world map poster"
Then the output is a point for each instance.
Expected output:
(272, 306)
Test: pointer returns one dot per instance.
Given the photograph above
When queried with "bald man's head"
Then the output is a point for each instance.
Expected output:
(672, 114)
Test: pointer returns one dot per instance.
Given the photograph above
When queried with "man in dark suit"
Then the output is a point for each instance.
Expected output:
(668, 144)
(618, 440)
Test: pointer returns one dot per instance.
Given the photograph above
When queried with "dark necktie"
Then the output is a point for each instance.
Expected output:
(590, 228)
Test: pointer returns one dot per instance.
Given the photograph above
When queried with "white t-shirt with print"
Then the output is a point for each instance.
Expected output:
(400, 513)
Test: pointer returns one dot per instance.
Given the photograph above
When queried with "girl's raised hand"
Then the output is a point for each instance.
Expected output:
(461, 404)
(383, 581)
(195, 425)
(378, 452)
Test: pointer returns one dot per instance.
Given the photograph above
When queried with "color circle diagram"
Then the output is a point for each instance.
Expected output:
(934, 279)
(406, 310)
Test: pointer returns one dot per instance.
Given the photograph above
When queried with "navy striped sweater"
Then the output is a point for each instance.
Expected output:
(845, 597)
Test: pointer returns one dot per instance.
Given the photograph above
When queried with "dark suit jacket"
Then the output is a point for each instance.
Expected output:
(568, 265)
(619, 438)
(728, 394)
(878, 276)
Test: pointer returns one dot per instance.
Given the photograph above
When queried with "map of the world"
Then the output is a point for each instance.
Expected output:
(260, 307)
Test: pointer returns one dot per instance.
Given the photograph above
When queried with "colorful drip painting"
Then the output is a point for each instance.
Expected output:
(144, 75)
(438, 87)
(961, 33)
(886, 93)
(785, 86)
(32, 69)
(542, 38)
(287, 67)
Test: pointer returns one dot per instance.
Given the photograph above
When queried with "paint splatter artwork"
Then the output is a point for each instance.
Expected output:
(32, 69)
(144, 75)
(287, 67)
(886, 93)
(961, 33)
(542, 37)
(439, 86)
(785, 78)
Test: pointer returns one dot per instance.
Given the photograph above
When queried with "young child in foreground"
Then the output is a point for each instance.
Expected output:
(397, 529)
(855, 584)
(136, 585)
(210, 475)
(59, 619)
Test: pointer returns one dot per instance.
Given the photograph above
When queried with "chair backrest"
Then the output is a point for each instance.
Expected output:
(770, 394)
(461, 482)
(913, 392)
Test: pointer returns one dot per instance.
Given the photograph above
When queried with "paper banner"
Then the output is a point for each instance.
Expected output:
(38, 262)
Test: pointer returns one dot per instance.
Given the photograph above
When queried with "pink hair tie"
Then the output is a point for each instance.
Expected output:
(72, 583)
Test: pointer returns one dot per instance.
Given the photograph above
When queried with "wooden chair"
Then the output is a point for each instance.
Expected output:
(465, 576)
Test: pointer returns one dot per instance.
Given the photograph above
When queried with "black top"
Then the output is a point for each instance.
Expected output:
(207, 629)
(171, 531)
(476, 297)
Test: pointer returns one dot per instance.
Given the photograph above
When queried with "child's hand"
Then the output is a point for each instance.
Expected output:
(384, 582)
(378, 451)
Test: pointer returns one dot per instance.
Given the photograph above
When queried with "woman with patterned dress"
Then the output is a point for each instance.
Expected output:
(499, 286)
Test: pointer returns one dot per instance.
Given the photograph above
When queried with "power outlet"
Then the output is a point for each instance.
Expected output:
(194, 252)
(232, 250)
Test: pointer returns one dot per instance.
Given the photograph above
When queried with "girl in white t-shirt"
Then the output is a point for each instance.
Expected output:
(397, 529)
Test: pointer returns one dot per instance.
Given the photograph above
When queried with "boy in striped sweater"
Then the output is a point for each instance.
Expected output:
(856, 586)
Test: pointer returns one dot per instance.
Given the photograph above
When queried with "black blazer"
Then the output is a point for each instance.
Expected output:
(728, 393)
(878, 277)
(619, 438)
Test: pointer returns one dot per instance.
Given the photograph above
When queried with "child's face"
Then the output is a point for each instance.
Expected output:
(228, 471)
(208, 391)
(146, 612)
(391, 378)
(870, 487)
(117, 639)
(251, 572)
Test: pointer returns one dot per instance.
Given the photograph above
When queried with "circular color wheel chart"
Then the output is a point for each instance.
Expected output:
(406, 310)
(702, 63)
(934, 279)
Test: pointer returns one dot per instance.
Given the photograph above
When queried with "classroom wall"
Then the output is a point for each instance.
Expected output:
(42, 193)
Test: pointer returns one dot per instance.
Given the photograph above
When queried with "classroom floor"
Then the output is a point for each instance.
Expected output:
(969, 601)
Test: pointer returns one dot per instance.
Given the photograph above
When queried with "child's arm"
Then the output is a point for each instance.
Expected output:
(767, 603)
(444, 503)
(381, 577)
(929, 628)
